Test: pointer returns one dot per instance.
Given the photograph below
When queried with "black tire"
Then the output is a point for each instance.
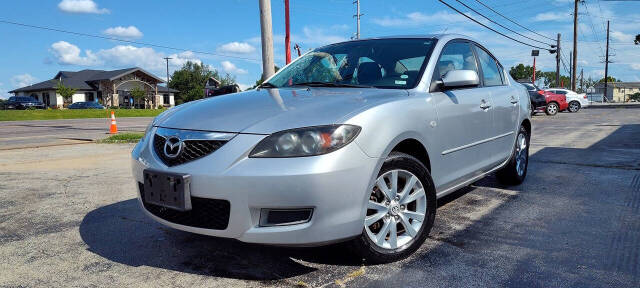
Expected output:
(574, 106)
(374, 254)
(509, 174)
(552, 109)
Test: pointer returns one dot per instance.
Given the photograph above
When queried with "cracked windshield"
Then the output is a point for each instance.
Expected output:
(382, 63)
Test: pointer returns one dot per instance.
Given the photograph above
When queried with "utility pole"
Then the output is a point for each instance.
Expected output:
(606, 66)
(167, 59)
(575, 45)
(287, 40)
(572, 80)
(558, 62)
(582, 80)
(267, 39)
(357, 16)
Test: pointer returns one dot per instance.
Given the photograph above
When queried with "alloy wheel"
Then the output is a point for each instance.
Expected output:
(521, 154)
(396, 209)
(552, 108)
(574, 106)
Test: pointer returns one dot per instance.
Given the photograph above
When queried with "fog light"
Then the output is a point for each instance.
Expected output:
(282, 217)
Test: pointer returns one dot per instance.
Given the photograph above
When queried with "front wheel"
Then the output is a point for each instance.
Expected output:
(516, 169)
(552, 109)
(574, 106)
(400, 211)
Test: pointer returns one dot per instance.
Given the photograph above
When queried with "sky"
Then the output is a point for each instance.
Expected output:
(229, 33)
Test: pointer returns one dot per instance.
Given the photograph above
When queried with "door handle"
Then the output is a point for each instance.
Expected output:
(484, 105)
(514, 100)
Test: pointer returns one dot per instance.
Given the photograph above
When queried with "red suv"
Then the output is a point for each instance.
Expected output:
(555, 102)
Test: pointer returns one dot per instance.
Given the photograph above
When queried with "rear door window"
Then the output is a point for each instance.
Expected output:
(490, 69)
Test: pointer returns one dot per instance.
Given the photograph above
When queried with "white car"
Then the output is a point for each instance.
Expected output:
(575, 100)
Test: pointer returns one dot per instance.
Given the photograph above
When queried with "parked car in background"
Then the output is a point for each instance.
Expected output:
(536, 95)
(555, 103)
(352, 141)
(23, 102)
(86, 105)
(574, 99)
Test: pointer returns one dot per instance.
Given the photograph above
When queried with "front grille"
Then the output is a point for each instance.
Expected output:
(192, 150)
(205, 213)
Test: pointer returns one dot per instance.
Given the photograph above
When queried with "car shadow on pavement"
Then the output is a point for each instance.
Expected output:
(120, 232)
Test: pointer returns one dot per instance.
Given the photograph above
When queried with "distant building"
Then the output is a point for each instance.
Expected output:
(618, 91)
(109, 88)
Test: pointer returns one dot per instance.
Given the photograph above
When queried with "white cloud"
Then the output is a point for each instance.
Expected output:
(622, 37)
(22, 80)
(635, 66)
(130, 32)
(81, 6)
(69, 54)
(419, 18)
(553, 16)
(237, 47)
(232, 68)
(120, 56)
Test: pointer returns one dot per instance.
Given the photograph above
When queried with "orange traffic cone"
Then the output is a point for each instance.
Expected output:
(114, 128)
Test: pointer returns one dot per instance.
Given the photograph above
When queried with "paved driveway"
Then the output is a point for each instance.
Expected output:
(39, 133)
(68, 217)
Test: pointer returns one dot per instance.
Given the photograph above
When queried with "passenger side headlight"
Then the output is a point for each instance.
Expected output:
(309, 141)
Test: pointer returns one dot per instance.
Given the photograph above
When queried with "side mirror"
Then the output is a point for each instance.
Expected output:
(460, 78)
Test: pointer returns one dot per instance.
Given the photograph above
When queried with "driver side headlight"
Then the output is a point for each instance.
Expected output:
(308, 141)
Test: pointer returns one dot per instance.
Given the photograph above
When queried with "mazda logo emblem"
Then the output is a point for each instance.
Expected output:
(173, 147)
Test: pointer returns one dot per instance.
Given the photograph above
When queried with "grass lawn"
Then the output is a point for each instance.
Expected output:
(123, 138)
(13, 115)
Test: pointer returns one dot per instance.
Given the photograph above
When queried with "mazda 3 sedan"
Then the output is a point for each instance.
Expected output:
(353, 141)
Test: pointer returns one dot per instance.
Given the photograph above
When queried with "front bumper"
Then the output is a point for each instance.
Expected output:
(335, 185)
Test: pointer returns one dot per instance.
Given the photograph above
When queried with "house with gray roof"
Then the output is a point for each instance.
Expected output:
(109, 88)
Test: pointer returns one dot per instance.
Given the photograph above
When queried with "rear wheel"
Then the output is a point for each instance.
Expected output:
(574, 106)
(516, 170)
(552, 109)
(400, 211)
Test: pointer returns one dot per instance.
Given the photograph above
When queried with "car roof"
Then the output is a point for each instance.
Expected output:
(445, 36)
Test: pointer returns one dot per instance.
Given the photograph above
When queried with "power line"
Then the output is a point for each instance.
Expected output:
(485, 26)
(514, 22)
(123, 40)
(492, 21)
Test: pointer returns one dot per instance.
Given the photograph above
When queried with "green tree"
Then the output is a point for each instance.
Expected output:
(635, 96)
(259, 81)
(609, 79)
(190, 80)
(138, 94)
(520, 72)
(65, 91)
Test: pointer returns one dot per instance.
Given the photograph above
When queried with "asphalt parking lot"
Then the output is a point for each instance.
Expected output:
(68, 217)
(42, 133)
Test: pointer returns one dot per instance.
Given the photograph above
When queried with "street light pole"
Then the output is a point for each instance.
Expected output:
(287, 40)
(357, 16)
(166, 59)
(574, 57)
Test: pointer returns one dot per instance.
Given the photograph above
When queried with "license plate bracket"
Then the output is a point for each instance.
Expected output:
(171, 190)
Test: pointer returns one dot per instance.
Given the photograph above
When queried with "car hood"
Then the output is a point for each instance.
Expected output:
(266, 111)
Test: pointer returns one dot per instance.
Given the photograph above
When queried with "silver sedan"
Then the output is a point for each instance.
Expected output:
(353, 141)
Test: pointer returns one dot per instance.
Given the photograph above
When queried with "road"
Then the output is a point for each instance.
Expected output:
(68, 217)
(21, 134)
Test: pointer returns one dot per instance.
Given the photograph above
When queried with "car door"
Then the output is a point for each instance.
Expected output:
(463, 119)
(504, 111)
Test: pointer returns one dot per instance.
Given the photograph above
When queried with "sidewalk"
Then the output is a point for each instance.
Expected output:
(614, 105)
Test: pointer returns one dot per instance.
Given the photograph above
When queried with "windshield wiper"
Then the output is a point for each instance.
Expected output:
(267, 85)
(329, 84)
